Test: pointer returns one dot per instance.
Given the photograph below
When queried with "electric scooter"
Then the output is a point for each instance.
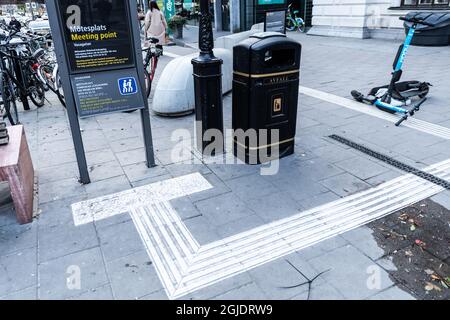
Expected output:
(397, 96)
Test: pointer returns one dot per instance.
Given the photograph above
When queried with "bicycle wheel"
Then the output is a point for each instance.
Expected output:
(290, 24)
(45, 73)
(61, 97)
(58, 89)
(302, 27)
(148, 83)
(37, 94)
(9, 103)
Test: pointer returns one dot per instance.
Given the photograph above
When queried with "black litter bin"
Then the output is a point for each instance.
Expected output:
(439, 35)
(265, 96)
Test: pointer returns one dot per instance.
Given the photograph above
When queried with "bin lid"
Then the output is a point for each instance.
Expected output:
(439, 19)
(265, 35)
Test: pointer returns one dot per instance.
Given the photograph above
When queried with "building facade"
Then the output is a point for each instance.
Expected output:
(367, 18)
(340, 18)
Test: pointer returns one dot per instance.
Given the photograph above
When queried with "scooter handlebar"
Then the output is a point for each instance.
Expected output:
(417, 21)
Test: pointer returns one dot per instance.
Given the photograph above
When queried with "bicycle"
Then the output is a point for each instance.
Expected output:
(293, 22)
(22, 64)
(8, 107)
(153, 52)
(48, 73)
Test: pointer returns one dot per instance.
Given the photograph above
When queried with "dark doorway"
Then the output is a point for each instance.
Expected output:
(305, 10)
(225, 15)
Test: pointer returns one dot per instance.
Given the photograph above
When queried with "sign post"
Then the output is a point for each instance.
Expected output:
(97, 44)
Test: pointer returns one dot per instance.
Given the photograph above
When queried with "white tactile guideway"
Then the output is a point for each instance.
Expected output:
(184, 266)
(104, 207)
(413, 123)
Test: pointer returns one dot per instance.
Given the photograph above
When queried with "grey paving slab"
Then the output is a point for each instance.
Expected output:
(114, 132)
(387, 264)
(100, 156)
(177, 155)
(51, 159)
(251, 187)
(276, 278)
(27, 294)
(59, 172)
(107, 186)
(63, 239)
(322, 248)
(15, 237)
(184, 208)
(301, 264)
(321, 291)
(351, 273)
(300, 188)
(384, 177)
(228, 172)
(133, 276)
(241, 225)
(317, 169)
(362, 167)
(95, 142)
(131, 156)
(55, 275)
(362, 239)
(181, 169)
(105, 170)
(306, 122)
(61, 189)
(59, 212)
(318, 200)
(7, 215)
(274, 207)
(345, 184)
(119, 240)
(334, 153)
(393, 293)
(147, 181)
(127, 144)
(202, 230)
(101, 293)
(56, 146)
(156, 296)
(18, 271)
(443, 199)
(247, 292)
(140, 171)
(220, 288)
(218, 188)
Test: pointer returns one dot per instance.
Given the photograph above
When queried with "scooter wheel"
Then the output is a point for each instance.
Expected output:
(358, 96)
(426, 89)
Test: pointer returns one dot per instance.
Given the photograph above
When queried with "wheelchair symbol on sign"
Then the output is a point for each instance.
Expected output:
(128, 86)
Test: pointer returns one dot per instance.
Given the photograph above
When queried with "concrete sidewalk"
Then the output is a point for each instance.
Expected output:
(52, 258)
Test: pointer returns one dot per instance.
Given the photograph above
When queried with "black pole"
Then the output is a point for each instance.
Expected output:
(207, 84)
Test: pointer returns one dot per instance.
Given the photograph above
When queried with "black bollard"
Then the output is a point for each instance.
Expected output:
(208, 89)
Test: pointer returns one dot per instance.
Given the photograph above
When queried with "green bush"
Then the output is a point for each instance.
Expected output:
(176, 21)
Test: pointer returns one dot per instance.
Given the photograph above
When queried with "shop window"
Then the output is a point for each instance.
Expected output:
(425, 4)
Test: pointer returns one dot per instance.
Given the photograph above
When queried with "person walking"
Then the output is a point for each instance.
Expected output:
(155, 23)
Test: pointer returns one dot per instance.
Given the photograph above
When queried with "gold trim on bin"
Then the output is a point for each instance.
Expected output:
(265, 146)
(266, 75)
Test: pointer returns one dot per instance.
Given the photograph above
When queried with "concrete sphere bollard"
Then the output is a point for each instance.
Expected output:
(174, 93)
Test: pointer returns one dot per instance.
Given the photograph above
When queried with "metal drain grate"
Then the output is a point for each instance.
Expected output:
(395, 163)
